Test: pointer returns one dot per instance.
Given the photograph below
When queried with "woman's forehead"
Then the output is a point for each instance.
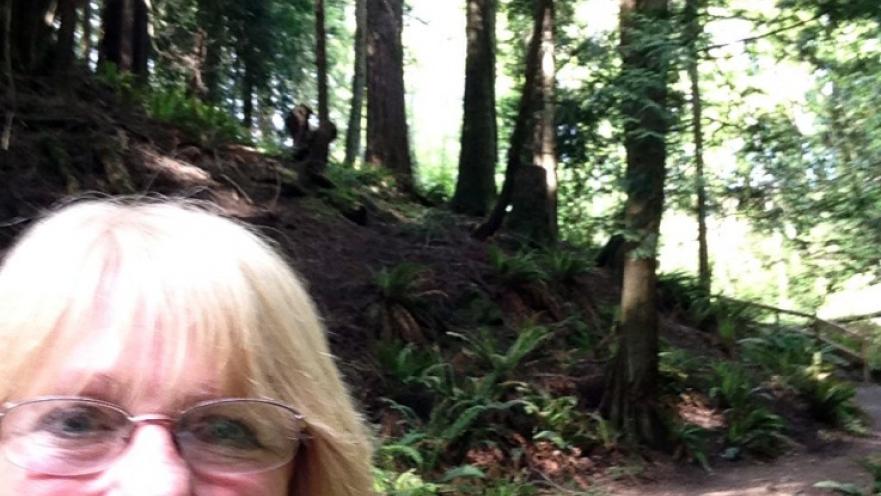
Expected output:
(140, 366)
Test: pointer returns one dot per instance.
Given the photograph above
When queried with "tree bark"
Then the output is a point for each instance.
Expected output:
(630, 400)
(6, 38)
(87, 31)
(534, 210)
(65, 46)
(321, 62)
(476, 184)
(248, 98)
(30, 34)
(692, 12)
(532, 141)
(126, 41)
(353, 131)
(210, 18)
(387, 137)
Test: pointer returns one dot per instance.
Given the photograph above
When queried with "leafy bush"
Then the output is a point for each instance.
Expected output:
(750, 426)
(691, 443)
(564, 266)
(516, 270)
(400, 283)
(207, 124)
(778, 352)
(829, 400)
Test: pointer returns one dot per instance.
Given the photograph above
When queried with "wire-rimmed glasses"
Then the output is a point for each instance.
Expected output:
(70, 436)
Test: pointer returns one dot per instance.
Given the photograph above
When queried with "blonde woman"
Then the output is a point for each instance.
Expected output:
(157, 349)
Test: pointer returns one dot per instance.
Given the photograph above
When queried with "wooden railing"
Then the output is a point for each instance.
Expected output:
(824, 332)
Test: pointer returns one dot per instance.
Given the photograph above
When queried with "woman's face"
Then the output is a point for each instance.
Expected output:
(104, 368)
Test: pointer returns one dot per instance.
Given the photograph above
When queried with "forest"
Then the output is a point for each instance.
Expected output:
(569, 247)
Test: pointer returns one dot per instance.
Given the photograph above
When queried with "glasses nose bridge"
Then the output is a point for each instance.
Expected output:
(166, 421)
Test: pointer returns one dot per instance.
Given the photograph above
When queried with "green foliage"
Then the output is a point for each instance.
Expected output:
(750, 426)
(691, 443)
(565, 265)
(485, 346)
(516, 270)
(778, 351)
(401, 283)
(680, 368)
(829, 400)
(409, 365)
(204, 123)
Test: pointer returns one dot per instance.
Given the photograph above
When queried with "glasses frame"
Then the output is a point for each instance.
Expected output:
(167, 421)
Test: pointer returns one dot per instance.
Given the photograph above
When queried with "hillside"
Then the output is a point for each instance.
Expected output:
(462, 353)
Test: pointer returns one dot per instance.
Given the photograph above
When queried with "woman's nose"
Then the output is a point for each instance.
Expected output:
(150, 466)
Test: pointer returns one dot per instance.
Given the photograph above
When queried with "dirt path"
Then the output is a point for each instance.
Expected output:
(791, 474)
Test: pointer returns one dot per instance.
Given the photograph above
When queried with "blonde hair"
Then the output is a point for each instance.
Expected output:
(207, 285)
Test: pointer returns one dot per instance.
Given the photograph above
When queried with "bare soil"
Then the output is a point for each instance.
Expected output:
(794, 473)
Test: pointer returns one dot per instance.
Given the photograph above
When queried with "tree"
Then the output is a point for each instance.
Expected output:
(630, 399)
(321, 62)
(694, 30)
(387, 139)
(530, 172)
(475, 184)
(29, 33)
(212, 24)
(65, 47)
(126, 41)
(353, 131)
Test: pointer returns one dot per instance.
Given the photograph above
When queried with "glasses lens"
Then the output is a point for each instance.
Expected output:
(238, 436)
(63, 437)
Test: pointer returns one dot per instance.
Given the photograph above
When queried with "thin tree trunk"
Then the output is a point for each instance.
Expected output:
(126, 41)
(210, 19)
(9, 77)
(87, 30)
(248, 98)
(30, 34)
(141, 39)
(321, 62)
(630, 400)
(64, 47)
(521, 145)
(353, 131)
(692, 8)
(476, 183)
(387, 137)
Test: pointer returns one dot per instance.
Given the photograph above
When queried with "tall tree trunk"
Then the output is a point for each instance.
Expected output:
(533, 215)
(630, 400)
(387, 137)
(64, 48)
(353, 131)
(30, 34)
(87, 31)
(210, 18)
(248, 97)
(531, 153)
(321, 62)
(476, 183)
(126, 41)
(141, 39)
(692, 12)
(8, 76)
(6, 37)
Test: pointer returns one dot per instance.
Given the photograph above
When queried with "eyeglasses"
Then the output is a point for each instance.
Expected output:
(70, 436)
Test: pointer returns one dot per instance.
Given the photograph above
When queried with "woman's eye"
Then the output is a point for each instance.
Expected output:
(78, 422)
(224, 431)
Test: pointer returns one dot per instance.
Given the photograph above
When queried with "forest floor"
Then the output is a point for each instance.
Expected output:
(794, 473)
